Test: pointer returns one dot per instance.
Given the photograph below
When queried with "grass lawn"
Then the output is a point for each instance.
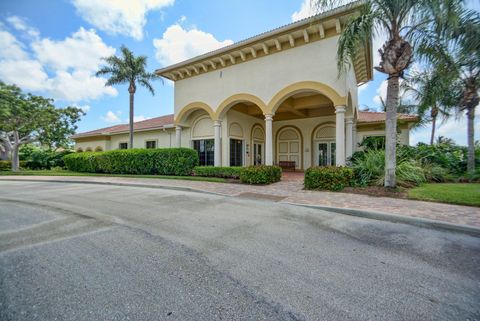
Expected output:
(69, 173)
(453, 193)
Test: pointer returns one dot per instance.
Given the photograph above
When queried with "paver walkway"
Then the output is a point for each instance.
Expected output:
(290, 190)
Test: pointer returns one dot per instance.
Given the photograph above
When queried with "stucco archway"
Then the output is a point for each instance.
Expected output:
(239, 98)
(303, 86)
(187, 110)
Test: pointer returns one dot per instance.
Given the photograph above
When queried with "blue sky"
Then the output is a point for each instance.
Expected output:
(53, 48)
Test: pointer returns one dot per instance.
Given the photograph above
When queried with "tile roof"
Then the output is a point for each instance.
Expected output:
(162, 121)
(152, 123)
(378, 117)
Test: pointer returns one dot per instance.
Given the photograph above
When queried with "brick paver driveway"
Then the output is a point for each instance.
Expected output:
(290, 190)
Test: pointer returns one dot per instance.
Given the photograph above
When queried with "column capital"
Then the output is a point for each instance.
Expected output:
(178, 127)
(349, 120)
(269, 116)
(340, 109)
(217, 123)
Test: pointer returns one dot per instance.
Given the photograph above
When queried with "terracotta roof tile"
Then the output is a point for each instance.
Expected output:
(152, 123)
(378, 117)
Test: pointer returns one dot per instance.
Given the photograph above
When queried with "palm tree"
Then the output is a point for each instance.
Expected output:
(458, 57)
(128, 69)
(403, 22)
(430, 91)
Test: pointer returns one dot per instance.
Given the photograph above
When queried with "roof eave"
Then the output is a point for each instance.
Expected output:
(260, 37)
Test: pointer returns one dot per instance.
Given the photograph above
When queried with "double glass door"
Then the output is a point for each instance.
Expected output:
(325, 153)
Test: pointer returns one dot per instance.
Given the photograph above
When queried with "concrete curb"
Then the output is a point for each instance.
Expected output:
(415, 221)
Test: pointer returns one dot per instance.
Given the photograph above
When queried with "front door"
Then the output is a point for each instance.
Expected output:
(257, 153)
(325, 153)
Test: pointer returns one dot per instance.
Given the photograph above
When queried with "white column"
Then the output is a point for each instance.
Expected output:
(348, 137)
(178, 136)
(354, 140)
(340, 135)
(217, 126)
(268, 139)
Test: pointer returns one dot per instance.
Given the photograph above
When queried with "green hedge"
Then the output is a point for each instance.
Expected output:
(330, 178)
(223, 172)
(82, 162)
(6, 165)
(260, 174)
(161, 161)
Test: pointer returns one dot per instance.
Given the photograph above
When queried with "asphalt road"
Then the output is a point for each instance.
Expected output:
(95, 252)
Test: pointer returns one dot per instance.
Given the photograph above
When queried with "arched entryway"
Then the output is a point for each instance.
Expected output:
(289, 146)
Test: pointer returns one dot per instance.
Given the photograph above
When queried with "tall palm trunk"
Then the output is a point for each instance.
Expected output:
(433, 114)
(131, 91)
(391, 130)
(470, 141)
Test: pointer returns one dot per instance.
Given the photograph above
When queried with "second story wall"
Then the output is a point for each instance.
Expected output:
(266, 76)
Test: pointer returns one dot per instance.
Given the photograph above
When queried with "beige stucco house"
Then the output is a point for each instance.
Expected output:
(276, 97)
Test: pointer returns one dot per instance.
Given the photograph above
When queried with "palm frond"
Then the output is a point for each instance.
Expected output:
(358, 31)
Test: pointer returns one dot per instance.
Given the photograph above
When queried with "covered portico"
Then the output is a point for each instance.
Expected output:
(273, 98)
(307, 123)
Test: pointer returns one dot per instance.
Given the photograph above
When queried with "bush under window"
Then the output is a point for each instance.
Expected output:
(162, 161)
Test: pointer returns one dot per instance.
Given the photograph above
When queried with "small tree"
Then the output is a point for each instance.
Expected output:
(430, 90)
(25, 118)
(130, 70)
(455, 50)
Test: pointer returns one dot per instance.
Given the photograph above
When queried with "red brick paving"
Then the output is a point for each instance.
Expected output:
(290, 190)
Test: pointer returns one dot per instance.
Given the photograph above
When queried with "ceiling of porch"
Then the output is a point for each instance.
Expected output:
(297, 106)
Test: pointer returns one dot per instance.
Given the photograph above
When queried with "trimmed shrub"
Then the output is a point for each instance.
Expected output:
(330, 178)
(260, 174)
(212, 171)
(82, 162)
(6, 165)
(160, 161)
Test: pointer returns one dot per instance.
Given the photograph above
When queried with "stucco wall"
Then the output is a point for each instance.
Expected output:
(266, 76)
(164, 138)
(104, 144)
(403, 137)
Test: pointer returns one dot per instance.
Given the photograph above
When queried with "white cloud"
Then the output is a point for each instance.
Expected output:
(21, 25)
(28, 74)
(140, 118)
(61, 69)
(125, 17)
(79, 85)
(84, 108)
(11, 47)
(453, 128)
(363, 87)
(178, 44)
(111, 117)
(307, 9)
(82, 51)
